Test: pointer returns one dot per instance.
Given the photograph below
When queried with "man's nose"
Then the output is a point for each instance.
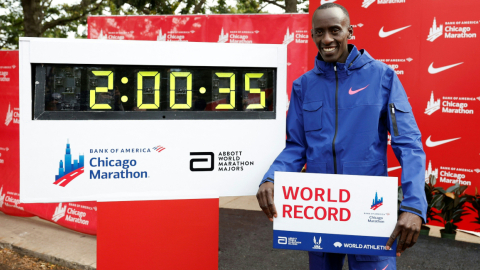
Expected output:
(327, 39)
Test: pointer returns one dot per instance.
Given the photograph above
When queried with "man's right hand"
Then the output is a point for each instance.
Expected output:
(265, 200)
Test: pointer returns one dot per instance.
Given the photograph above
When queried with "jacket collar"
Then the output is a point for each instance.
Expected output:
(355, 60)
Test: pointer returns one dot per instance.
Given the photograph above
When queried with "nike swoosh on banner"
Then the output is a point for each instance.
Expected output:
(326, 1)
(433, 70)
(389, 33)
(429, 143)
(393, 168)
(356, 91)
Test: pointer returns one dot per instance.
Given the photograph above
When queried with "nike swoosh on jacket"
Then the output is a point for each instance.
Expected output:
(335, 132)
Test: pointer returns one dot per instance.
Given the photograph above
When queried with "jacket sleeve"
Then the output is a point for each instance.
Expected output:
(407, 146)
(292, 158)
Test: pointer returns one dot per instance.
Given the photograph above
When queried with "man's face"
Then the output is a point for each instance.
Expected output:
(331, 30)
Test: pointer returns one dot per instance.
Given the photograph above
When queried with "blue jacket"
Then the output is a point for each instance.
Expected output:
(338, 121)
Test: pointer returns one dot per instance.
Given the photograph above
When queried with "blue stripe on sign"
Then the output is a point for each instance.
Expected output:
(333, 243)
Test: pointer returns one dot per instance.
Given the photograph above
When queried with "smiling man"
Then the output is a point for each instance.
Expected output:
(338, 122)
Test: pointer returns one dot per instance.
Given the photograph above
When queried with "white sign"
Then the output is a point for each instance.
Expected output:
(335, 213)
(78, 159)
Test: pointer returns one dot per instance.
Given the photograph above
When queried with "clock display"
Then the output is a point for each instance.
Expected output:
(107, 92)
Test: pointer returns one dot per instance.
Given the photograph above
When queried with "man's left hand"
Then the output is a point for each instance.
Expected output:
(408, 228)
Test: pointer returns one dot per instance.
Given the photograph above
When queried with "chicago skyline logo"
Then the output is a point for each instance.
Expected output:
(288, 37)
(317, 243)
(59, 212)
(429, 171)
(435, 32)
(376, 203)
(67, 170)
(432, 105)
(223, 37)
(2, 197)
(161, 37)
(102, 36)
(9, 117)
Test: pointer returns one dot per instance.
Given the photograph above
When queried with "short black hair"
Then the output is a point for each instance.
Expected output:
(333, 5)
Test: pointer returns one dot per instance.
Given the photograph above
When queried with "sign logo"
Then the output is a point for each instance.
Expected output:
(337, 244)
(435, 32)
(317, 243)
(383, 34)
(288, 37)
(367, 3)
(9, 116)
(198, 160)
(59, 212)
(429, 171)
(68, 171)
(430, 143)
(158, 148)
(376, 202)
(282, 240)
(223, 38)
(161, 37)
(2, 197)
(433, 70)
(432, 105)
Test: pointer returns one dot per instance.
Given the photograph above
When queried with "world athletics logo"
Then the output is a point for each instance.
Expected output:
(68, 171)
(376, 202)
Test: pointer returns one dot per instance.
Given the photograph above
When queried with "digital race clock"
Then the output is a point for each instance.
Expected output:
(73, 91)
(131, 120)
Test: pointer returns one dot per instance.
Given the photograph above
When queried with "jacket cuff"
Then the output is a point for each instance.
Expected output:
(415, 211)
(268, 179)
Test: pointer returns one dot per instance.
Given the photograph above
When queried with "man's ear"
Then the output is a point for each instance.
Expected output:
(350, 30)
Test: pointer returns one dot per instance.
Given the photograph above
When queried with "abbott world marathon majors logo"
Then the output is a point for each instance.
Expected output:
(71, 214)
(451, 105)
(452, 29)
(397, 64)
(102, 165)
(367, 3)
(227, 161)
(451, 175)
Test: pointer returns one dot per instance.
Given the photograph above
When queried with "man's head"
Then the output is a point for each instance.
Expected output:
(331, 30)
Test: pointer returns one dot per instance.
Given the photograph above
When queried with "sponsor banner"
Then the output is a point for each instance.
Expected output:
(335, 213)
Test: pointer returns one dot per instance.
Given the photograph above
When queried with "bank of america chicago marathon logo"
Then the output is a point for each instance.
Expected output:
(455, 29)
(68, 170)
(449, 175)
(455, 105)
(241, 36)
(70, 214)
(376, 203)
(367, 3)
(397, 64)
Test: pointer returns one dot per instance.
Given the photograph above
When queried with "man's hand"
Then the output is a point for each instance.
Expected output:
(265, 200)
(408, 227)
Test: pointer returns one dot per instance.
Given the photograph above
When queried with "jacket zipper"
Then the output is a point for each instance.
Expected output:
(336, 122)
(394, 119)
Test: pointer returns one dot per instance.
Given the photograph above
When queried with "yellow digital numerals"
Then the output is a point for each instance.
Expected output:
(230, 90)
(249, 76)
(156, 89)
(173, 76)
(101, 90)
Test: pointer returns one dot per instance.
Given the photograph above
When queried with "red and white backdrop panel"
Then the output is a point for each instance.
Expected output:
(431, 45)
(78, 216)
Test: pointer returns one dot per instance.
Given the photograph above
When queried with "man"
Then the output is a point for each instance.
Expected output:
(337, 122)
